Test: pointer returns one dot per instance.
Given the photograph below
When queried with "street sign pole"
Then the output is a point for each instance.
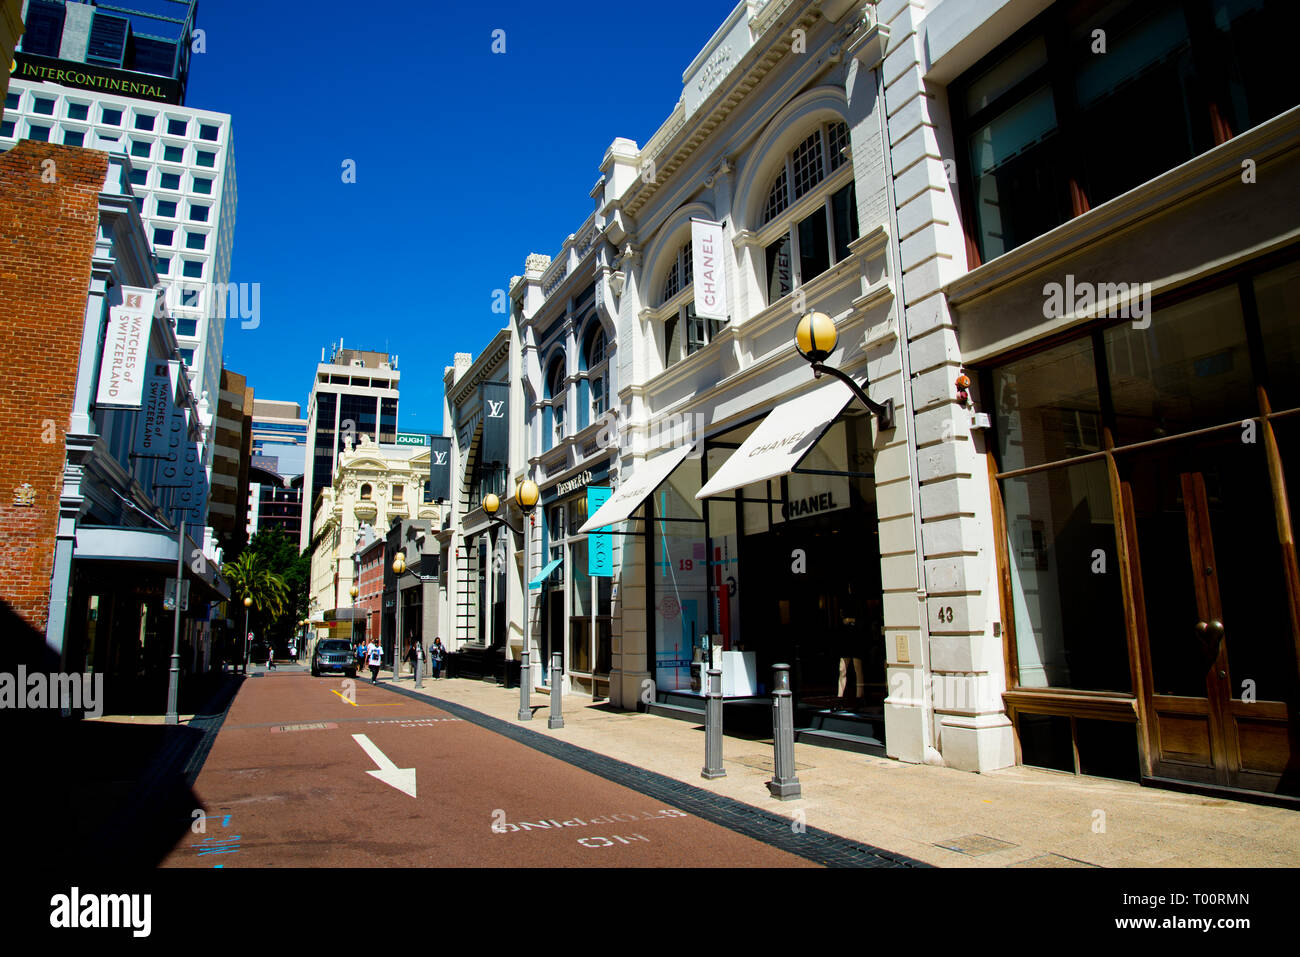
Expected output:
(174, 679)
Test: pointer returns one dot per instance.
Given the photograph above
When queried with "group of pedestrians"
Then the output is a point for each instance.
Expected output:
(372, 654)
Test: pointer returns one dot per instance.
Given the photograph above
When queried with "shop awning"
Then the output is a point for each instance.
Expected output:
(545, 573)
(781, 440)
(627, 498)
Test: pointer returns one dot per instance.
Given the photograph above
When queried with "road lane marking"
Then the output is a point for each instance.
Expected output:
(343, 697)
(401, 778)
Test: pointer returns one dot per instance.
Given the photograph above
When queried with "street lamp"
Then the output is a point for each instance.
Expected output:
(815, 337)
(354, 592)
(399, 566)
(248, 647)
(526, 495)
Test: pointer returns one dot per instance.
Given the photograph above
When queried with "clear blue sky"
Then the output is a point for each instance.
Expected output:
(466, 161)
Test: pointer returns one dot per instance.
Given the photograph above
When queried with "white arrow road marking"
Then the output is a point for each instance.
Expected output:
(401, 778)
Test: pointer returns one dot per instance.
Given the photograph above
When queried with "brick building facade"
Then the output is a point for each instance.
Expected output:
(49, 214)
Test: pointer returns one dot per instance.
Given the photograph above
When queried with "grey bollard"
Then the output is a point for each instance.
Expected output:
(557, 716)
(713, 728)
(784, 784)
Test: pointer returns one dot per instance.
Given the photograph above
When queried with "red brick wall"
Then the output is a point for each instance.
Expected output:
(47, 239)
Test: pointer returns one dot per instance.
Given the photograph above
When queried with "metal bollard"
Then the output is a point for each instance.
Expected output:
(713, 728)
(557, 715)
(784, 784)
(418, 659)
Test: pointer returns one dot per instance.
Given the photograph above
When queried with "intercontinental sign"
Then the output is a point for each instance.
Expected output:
(42, 69)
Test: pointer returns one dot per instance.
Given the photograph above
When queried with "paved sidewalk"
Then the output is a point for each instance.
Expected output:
(1016, 817)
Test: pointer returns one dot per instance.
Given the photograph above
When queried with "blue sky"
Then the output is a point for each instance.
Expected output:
(466, 161)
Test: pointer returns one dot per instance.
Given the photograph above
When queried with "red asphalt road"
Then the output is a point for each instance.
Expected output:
(302, 797)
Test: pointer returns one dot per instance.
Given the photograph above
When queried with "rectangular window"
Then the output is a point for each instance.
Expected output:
(43, 105)
(6, 127)
(78, 111)
(597, 396)
(139, 177)
(187, 326)
(205, 158)
(178, 127)
(108, 35)
(73, 137)
(202, 185)
(44, 28)
(697, 331)
(165, 207)
(398, 491)
(199, 213)
(1069, 621)
(672, 341)
(12, 99)
(196, 241)
(188, 356)
(35, 132)
(141, 148)
(209, 131)
(110, 116)
(780, 275)
(193, 269)
(814, 246)
(144, 121)
(173, 154)
(844, 217)
(1047, 406)
(169, 181)
(163, 264)
(162, 237)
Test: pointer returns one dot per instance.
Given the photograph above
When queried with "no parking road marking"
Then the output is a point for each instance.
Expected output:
(401, 778)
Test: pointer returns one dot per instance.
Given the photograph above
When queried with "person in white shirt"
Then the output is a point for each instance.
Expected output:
(375, 655)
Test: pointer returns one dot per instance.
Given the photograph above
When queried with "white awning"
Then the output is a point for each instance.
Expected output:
(781, 440)
(627, 498)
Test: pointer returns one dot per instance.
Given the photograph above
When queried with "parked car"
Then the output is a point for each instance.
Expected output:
(334, 655)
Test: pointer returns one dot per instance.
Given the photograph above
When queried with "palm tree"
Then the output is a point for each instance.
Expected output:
(251, 577)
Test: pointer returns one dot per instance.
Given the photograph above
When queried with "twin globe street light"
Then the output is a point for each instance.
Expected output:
(526, 495)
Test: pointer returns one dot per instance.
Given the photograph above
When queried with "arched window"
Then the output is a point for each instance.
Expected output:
(810, 246)
(679, 284)
(366, 492)
(593, 352)
(556, 390)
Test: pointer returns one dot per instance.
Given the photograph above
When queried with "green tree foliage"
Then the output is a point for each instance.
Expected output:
(271, 552)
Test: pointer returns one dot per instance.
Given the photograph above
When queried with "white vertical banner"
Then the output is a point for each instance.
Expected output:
(125, 362)
(710, 274)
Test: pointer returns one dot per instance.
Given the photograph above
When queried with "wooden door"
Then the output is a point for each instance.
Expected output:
(1217, 630)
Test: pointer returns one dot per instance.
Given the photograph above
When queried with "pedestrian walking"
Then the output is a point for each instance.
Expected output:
(270, 656)
(436, 654)
(415, 654)
(361, 656)
(376, 653)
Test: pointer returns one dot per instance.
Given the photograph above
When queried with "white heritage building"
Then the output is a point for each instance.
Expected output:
(1087, 351)
(779, 142)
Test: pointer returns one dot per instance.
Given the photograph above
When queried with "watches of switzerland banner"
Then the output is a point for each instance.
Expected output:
(125, 362)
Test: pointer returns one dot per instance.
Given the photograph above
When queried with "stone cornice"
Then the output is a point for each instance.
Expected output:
(484, 368)
(675, 142)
